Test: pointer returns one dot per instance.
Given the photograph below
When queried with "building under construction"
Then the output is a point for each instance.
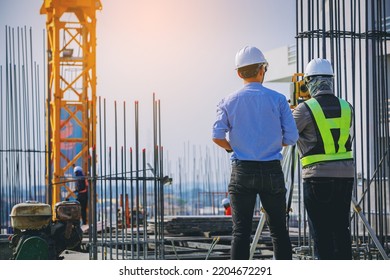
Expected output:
(53, 122)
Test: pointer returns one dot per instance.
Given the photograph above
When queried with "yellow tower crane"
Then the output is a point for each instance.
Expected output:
(71, 101)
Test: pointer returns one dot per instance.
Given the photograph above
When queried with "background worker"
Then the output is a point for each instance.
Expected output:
(226, 205)
(324, 145)
(82, 192)
(253, 124)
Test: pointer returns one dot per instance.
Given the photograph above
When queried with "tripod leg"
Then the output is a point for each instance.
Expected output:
(378, 245)
(256, 238)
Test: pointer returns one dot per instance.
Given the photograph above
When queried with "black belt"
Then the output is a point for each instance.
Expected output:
(258, 163)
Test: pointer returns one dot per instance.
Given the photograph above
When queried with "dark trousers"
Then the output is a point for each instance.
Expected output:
(327, 202)
(266, 179)
(83, 199)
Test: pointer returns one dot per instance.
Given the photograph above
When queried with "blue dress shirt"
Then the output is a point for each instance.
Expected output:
(256, 121)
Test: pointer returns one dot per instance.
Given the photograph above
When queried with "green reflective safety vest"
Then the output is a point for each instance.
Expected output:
(324, 126)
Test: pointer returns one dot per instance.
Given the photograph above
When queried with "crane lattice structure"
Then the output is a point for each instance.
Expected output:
(71, 103)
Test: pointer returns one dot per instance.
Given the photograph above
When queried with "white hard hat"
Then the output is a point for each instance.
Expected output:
(319, 67)
(77, 169)
(225, 201)
(249, 55)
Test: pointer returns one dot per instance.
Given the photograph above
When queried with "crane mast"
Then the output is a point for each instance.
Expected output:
(71, 97)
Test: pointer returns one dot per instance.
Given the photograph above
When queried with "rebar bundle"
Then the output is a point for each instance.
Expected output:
(22, 129)
(354, 36)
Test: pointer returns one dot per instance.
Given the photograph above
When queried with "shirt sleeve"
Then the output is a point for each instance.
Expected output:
(221, 126)
(302, 117)
(352, 125)
(289, 128)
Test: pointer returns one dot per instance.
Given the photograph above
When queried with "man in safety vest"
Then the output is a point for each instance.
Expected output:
(324, 123)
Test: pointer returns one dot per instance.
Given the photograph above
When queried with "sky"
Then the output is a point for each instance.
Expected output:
(181, 50)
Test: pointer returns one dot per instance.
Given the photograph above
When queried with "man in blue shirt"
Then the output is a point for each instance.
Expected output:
(254, 123)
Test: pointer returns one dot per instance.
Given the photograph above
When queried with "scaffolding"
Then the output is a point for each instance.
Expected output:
(71, 102)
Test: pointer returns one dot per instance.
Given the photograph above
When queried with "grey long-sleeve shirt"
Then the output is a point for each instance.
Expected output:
(308, 139)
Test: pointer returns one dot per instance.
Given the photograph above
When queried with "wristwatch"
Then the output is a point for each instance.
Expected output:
(229, 151)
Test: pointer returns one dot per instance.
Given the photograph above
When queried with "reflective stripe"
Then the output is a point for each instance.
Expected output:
(324, 126)
(345, 125)
(321, 157)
